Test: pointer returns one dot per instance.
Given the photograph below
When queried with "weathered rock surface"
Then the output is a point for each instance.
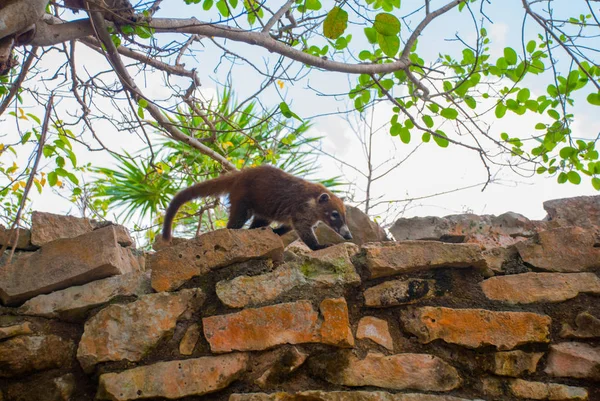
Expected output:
(410, 256)
(343, 396)
(74, 302)
(15, 330)
(587, 326)
(47, 227)
(487, 230)
(580, 211)
(540, 287)
(45, 389)
(173, 379)
(376, 330)
(363, 229)
(400, 371)
(288, 360)
(497, 258)
(173, 266)
(571, 359)
(189, 340)
(26, 354)
(515, 363)
(546, 391)
(324, 268)
(566, 249)
(476, 327)
(399, 292)
(23, 242)
(128, 332)
(64, 263)
(288, 323)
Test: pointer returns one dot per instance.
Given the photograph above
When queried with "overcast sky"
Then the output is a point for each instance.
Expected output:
(429, 170)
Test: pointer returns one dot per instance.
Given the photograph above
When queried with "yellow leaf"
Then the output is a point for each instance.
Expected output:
(1, 147)
(15, 187)
(59, 183)
(22, 184)
(43, 181)
(280, 83)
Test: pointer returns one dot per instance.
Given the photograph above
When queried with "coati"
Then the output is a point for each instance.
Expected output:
(269, 194)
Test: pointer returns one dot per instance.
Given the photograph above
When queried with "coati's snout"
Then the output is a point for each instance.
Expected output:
(345, 232)
(334, 214)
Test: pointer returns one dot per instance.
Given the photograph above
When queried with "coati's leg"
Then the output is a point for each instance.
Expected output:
(238, 215)
(282, 229)
(306, 233)
(259, 222)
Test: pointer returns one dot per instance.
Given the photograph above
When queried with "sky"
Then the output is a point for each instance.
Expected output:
(428, 171)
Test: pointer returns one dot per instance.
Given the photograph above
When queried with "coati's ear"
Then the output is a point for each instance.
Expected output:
(324, 197)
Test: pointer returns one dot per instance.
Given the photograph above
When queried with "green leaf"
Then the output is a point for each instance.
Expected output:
(567, 152)
(428, 120)
(386, 24)
(574, 177)
(389, 44)
(405, 135)
(60, 161)
(395, 129)
(470, 101)
(143, 103)
(500, 110)
(531, 46)
(25, 137)
(426, 137)
(540, 126)
(562, 178)
(441, 141)
(594, 99)
(510, 55)
(523, 95)
(143, 31)
(285, 110)
(312, 5)
(335, 23)
(365, 55)
(222, 7)
(596, 183)
(554, 114)
(207, 5)
(52, 178)
(449, 113)
(371, 35)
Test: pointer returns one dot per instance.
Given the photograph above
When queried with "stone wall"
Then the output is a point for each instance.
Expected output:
(457, 309)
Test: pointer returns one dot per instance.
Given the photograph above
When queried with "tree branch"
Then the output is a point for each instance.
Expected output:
(129, 85)
(18, 16)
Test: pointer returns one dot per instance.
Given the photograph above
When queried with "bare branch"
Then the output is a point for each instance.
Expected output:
(129, 84)
(20, 78)
(277, 16)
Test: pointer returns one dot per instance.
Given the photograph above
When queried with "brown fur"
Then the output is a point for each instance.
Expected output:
(269, 194)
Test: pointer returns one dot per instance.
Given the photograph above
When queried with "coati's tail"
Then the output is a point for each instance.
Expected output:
(216, 186)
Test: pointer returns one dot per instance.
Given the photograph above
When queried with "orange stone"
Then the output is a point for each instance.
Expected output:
(288, 323)
(376, 330)
(401, 371)
(540, 287)
(172, 266)
(173, 379)
(335, 329)
(476, 327)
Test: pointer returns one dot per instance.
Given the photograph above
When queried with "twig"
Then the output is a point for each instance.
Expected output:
(277, 16)
(17, 84)
(129, 84)
(29, 183)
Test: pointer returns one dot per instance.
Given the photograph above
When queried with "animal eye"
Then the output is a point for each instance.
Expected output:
(335, 214)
